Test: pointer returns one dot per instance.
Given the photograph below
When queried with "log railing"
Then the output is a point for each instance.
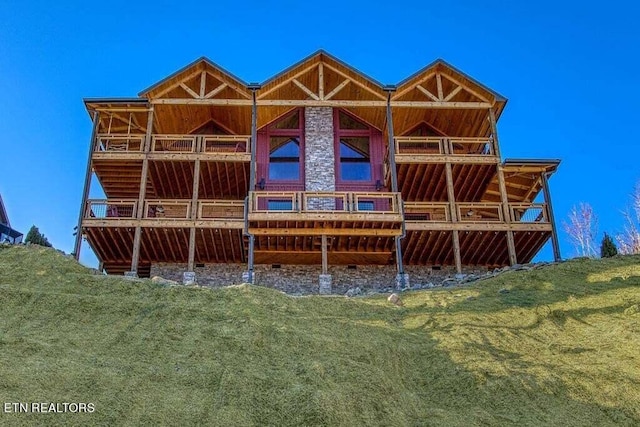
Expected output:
(457, 146)
(480, 212)
(169, 143)
(324, 202)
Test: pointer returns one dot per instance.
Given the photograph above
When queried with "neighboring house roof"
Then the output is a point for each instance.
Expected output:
(4, 218)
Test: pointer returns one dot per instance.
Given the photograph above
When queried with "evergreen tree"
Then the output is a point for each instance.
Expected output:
(36, 238)
(608, 247)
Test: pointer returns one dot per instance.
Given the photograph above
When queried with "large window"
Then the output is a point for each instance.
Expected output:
(281, 153)
(284, 158)
(355, 159)
(358, 153)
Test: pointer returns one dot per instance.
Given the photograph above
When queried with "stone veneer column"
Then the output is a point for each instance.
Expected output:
(319, 165)
(319, 159)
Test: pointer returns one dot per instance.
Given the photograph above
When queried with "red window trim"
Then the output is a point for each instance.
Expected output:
(376, 152)
(262, 153)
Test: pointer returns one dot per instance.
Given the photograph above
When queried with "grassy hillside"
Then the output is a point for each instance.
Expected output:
(554, 346)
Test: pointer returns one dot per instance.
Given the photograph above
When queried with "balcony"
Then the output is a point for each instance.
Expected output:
(420, 149)
(231, 148)
(476, 216)
(335, 212)
(166, 213)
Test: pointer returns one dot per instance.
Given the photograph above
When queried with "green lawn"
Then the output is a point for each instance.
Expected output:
(560, 348)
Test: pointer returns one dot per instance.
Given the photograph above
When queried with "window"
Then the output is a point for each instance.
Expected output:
(280, 153)
(279, 205)
(365, 206)
(355, 160)
(358, 153)
(284, 158)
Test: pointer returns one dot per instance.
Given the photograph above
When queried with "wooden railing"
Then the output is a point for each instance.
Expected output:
(529, 212)
(324, 202)
(221, 209)
(119, 143)
(110, 209)
(174, 143)
(444, 146)
(164, 209)
(480, 212)
(427, 211)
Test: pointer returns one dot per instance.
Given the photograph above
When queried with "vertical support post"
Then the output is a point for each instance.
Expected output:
(511, 245)
(252, 184)
(554, 232)
(325, 262)
(494, 133)
(455, 236)
(401, 278)
(193, 215)
(87, 186)
(135, 257)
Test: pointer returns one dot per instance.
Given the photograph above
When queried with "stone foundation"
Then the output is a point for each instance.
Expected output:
(306, 279)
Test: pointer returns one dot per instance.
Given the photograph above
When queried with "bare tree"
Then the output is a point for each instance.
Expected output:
(582, 228)
(629, 239)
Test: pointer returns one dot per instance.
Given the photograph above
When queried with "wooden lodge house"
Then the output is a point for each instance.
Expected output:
(320, 172)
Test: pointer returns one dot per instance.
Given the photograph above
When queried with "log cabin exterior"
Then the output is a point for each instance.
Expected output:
(319, 165)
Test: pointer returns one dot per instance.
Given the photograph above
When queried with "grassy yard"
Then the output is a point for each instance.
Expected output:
(554, 346)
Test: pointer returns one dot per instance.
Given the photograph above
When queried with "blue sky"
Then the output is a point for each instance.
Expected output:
(568, 68)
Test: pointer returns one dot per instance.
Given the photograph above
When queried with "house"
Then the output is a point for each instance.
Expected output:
(7, 234)
(320, 175)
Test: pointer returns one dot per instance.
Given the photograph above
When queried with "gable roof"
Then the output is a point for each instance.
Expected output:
(199, 64)
(323, 54)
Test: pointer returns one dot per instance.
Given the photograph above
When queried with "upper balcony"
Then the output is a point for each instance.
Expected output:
(428, 149)
(222, 148)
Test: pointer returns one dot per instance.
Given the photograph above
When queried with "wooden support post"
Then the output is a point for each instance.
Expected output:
(511, 245)
(456, 251)
(554, 233)
(87, 186)
(394, 188)
(451, 197)
(455, 237)
(252, 182)
(325, 262)
(194, 215)
(141, 195)
(494, 133)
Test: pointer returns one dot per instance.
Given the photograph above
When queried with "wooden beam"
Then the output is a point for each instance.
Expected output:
(554, 233)
(203, 83)
(284, 82)
(325, 263)
(87, 186)
(475, 226)
(321, 103)
(466, 87)
(321, 80)
(439, 83)
(452, 94)
(429, 94)
(216, 91)
(494, 132)
(337, 89)
(189, 90)
(321, 231)
(450, 192)
(305, 89)
(135, 257)
(400, 93)
(357, 83)
(456, 251)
